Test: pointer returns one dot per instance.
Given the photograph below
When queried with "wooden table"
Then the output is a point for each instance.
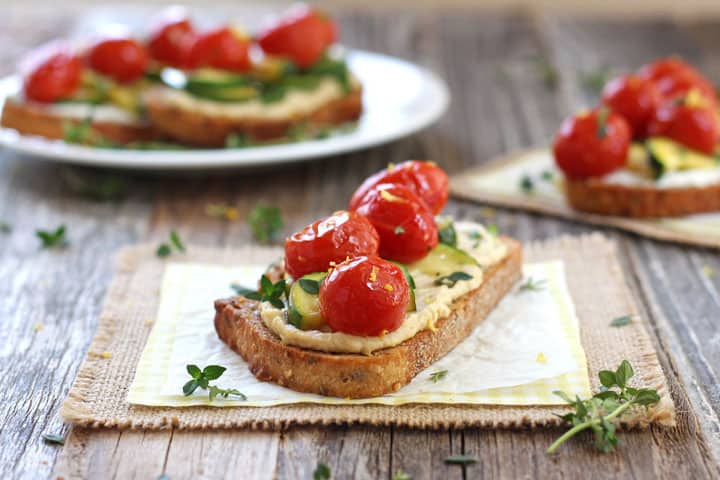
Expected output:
(513, 76)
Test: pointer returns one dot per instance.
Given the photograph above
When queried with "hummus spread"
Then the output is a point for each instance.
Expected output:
(296, 102)
(433, 302)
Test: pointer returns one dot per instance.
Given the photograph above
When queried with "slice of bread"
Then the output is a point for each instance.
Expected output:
(239, 325)
(199, 128)
(32, 119)
(597, 196)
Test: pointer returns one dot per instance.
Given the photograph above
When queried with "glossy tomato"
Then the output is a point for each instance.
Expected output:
(694, 125)
(171, 38)
(406, 227)
(634, 98)
(332, 239)
(51, 73)
(302, 35)
(592, 144)
(365, 296)
(425, 179)
(221, 48)
(122, 59)
(681, 82)
(663, 67)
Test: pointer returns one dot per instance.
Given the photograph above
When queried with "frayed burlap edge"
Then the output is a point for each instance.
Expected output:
(97, 399)
(461, 186)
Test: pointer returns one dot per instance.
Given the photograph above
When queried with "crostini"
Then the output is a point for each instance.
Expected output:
(367, 298)
(286, 82)
(91, 96)
(649, 150)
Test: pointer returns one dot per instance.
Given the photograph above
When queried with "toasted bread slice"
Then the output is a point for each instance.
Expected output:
(239, 325)
(597, 196)
(210, 130)
(32, 119)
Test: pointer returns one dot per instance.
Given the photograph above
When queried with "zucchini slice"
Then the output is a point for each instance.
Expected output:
(667, 156)
(304, 310)
(444, 260)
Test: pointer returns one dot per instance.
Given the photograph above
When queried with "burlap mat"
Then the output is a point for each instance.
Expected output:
(98, 397)
(461, 186)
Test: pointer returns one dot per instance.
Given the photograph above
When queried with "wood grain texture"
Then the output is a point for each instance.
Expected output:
(501, 101)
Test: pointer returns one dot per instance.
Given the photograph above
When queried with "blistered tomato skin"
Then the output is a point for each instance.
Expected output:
(406, 227)
(635, 99)
(425, 179)
(221, 48)
(171, 40)
(303, 36)
(582, 149)
(51, 74)
(696, 127)
(343, 234)
(663, 67)
(122, 59)
(365, 296)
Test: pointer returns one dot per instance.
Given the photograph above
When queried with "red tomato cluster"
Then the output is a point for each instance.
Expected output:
(391, 218)
(302, 36)
(665, 98)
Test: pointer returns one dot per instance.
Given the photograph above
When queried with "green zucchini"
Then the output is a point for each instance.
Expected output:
(304, 310)
(666, 155)
(443, 260)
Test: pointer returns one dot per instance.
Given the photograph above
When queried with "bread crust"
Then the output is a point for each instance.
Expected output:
(594, 195)
(239, 325)
(30, 119)
(191, 127)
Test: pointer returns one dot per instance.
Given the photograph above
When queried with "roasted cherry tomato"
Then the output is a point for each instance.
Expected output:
(51, 73)
(634, 98)
(691, 121)
(663, 67)
(406, 227)
(365, 296)
(171, 38)
(122, 59)
(302, 36)
(592, 144)
(332, 239)
(681, 82)
(425, 179)
(221, 48)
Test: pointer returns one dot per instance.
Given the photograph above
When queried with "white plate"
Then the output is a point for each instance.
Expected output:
(399, 98)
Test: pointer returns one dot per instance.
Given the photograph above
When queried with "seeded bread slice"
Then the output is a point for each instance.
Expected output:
(198, 128)
(597, 196)
(239, 325)
(31, 119)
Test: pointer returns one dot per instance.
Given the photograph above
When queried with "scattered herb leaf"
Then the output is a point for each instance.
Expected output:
(401, 475)
(548, 73)
(5, 227)
(399, 230)
(294, 317)
(594, 81)
(547, 175)
(265, 222)
(452, 279)
(493, 230)
(532, 285)
(439, 375)
(448, 235)
(526, 184)
(176, 242)
(707, 270)
(202, 378)
(460, 460)
(269, 292)
(53, 438)
(602, 116)
(98, 187)
(621, 321)
(597, 413)
(322, 472)
(220, 210)
(165, 249)
(52, 238)
(310, 286)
